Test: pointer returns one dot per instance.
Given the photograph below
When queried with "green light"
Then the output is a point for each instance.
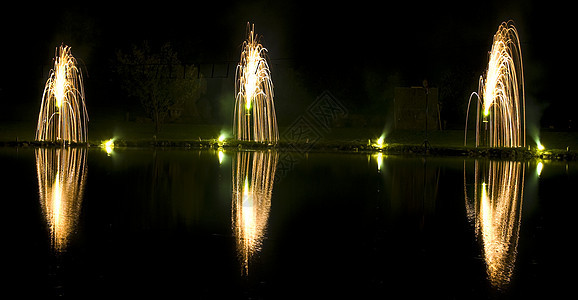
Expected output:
(540, 147)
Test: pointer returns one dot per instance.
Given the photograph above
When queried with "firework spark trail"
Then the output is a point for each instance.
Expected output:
(501, 93)
(63, 115)
(254, 118)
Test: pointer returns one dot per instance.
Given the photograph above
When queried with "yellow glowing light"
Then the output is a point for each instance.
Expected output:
(379, 160)
(60, 82)
(540, 147)
(221, 140)
(254, 117)
(380, 143)
(248, 104)
(108, 146)
(539, 168)
(221, 156)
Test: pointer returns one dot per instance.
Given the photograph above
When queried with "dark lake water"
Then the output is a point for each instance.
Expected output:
(210, 225)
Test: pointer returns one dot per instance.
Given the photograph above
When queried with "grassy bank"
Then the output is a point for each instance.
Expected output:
(560, 145)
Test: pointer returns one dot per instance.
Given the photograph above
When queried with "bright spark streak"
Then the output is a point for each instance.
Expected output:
(252, 78)
(60, 82)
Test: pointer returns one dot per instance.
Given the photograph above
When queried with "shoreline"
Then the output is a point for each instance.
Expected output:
(518, 154)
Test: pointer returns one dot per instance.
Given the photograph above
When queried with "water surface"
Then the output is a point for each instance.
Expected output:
(210, 224)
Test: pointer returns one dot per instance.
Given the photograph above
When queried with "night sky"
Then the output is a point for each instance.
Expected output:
(359, 51)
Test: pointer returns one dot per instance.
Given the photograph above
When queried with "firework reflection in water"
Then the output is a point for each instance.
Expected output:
(254, 117)
(61, 178)
(63, 115)
(496, 211)
(253, 177)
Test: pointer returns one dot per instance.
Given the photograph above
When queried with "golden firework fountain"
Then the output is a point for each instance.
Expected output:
(63, 116)
(501, 105)
(254, 117)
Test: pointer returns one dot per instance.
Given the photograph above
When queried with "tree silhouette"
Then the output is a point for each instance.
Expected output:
(157, 80)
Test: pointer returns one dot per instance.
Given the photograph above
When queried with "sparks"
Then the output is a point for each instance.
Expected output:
(501, 93)
(63, 115)
(254, 118)
(503, 90)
